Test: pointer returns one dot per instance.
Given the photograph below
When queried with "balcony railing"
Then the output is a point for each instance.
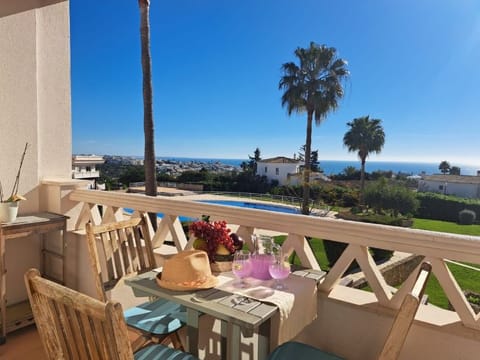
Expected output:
(86, 174)
(435, 247)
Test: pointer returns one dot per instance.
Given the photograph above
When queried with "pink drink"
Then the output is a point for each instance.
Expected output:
(279, 271)
(260, 264)
(241, 268)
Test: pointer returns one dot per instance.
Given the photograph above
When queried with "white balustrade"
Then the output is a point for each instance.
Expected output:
(434, 246)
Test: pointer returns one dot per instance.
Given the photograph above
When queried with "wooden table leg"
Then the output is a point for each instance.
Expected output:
(192, 331)
(264, 340)
(223, 339)
(233, 342)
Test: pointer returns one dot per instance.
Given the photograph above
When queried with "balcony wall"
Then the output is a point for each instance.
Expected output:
(34, 108)
(350, 322)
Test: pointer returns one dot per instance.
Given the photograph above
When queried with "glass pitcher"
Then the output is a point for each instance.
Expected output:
(264, 254)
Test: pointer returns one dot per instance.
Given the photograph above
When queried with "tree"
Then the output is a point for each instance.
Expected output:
(313, 86)
(251, 165)
(455, 170)
(395, 198)
(148, 125)
(314, 163)
(364, 137)
(444, 167)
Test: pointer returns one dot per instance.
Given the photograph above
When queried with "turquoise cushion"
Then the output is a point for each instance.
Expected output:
(158, 317)
(298, 351)
(161, 352)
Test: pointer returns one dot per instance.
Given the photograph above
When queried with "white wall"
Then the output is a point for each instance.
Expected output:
(34, 108)
(283, 170)
(458, 189)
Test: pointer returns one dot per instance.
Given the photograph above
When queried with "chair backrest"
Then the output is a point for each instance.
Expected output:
(124, 247)
(75, 326)
(405, 316)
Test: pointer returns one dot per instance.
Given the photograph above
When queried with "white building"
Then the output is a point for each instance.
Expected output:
(84, 167)
(458, 185)
(279, 168)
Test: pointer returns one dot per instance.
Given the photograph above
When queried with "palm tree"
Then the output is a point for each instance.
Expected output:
(148, 125)
(444, 167)
(365, 136)
(315, 87)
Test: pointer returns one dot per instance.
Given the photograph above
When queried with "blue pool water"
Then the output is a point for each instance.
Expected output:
(243, 204)
(258, 206)
(160, 215)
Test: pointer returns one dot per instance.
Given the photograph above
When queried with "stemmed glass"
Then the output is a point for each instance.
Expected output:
(241, 266)
(279, 270)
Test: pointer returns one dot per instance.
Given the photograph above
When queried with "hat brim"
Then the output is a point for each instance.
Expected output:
(209, 283)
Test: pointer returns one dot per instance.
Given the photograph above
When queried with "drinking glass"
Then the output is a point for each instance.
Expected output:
(279, 270)
(241, 266)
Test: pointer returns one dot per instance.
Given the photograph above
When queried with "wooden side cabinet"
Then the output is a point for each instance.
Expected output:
(16, 316)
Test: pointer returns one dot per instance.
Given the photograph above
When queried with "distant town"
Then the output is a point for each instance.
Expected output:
(172, 167)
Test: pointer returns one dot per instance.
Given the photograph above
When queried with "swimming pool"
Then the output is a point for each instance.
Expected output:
(251, 205)
(242, 204)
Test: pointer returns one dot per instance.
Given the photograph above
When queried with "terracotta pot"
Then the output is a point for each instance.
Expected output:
(8, 211)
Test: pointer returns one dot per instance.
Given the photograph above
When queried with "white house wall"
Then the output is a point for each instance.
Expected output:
(470, 191)
(271, 171)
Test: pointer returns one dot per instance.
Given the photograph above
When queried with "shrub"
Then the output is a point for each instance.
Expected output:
(375, 219)
(381, 254)
(444, 207)
(333, 250)
(397, 199)
(466, 217)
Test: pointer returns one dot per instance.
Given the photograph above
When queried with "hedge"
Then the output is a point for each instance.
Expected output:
(443, 207)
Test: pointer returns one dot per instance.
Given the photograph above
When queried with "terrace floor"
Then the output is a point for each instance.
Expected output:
(22, 344)
(25, 344)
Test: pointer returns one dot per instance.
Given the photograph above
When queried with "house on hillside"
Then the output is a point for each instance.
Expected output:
(279, 168)
(459, 185)
(315, 177)
(84, 167)
(286, 171)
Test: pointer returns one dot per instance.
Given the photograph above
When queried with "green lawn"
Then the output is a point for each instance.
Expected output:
(318, 250)
(467, 279)
(446, 226)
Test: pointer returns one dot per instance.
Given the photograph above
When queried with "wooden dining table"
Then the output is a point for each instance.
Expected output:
(239, 315)
(236, 316)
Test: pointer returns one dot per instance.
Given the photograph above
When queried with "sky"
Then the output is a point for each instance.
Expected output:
(216, 67)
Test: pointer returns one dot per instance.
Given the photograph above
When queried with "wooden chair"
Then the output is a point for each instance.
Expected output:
(72, 325)
(125, 248)
(395, 339)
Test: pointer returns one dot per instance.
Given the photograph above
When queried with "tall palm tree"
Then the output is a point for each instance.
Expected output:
(148, 124)
(313, 86)
(365, 136)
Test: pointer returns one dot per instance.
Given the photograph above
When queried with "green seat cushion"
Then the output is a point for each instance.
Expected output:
(161, 352)
(298, 351)
(159, 317)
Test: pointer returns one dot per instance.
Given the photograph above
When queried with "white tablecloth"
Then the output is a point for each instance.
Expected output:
(297, 303)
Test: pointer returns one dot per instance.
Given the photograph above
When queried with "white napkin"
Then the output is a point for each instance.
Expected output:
(297, 303)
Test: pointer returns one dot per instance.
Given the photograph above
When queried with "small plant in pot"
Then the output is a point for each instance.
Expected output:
(9, 205)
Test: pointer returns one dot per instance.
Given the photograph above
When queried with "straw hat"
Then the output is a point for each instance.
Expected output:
(187, 270)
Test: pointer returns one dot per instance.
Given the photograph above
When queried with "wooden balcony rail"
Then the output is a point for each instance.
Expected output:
(435, 247)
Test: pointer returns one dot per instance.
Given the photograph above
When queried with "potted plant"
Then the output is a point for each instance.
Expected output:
(9, 205)
(215, 238)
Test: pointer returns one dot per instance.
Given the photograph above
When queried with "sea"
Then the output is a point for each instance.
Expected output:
(330, 167)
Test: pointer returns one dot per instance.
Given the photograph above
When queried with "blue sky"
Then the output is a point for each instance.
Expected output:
(217, 63)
